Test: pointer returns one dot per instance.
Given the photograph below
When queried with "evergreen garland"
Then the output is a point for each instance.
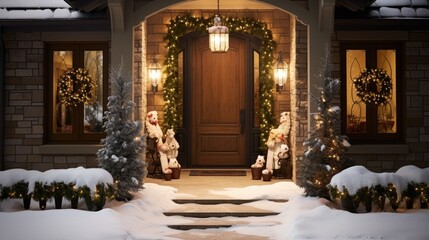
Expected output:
(325, 153)
(123, 147)
(184, 24)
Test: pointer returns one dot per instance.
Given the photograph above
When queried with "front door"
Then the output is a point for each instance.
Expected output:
(217, 104)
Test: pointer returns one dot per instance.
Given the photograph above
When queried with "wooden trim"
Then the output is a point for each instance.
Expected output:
(371, 136)
(78, 49)
(394, 24)
(379, 149)
(71, 149)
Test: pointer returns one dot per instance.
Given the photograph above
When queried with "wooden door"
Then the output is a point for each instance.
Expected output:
(218, 104)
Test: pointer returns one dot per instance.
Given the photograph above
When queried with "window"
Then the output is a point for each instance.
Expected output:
(255, 89)
(368, 122)
(81, 123)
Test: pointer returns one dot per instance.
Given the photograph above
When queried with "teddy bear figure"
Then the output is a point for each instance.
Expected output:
(259, 163)
(154, 131)
(173, 163)
(277, 137)
(172, 145)
(282, 154)
(152, 126)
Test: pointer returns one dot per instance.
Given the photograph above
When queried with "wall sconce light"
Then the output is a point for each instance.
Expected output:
(154, 74)
(218, 34)
(281, 69)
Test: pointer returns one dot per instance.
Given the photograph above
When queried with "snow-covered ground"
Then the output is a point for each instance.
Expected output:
(142, 218)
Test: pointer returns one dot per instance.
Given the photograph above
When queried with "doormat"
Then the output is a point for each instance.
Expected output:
(217, 173)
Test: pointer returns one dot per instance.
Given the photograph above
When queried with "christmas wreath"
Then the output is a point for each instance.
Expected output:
(373, 86)
(76, 86)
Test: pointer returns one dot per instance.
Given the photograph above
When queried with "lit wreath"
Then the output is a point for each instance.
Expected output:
(76, 86)
(373, 86)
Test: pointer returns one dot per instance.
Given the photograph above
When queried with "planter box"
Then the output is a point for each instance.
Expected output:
(267, 177)
(256, 173)
(168, 176)
(175, 173)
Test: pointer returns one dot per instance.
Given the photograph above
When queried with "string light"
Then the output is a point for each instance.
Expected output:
(76, 86)
(184, 24)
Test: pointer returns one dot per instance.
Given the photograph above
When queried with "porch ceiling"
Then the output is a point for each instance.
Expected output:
(223, 4)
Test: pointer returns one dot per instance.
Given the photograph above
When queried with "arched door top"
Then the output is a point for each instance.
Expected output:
(144, 11)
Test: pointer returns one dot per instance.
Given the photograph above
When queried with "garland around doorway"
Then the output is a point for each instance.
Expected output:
(184, 24)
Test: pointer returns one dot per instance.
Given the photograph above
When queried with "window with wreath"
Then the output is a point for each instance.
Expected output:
(371, 97)
(77, 82)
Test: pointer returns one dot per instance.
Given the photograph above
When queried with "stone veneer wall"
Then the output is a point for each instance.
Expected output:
(415, 149)
(24, 107)
(301, 91)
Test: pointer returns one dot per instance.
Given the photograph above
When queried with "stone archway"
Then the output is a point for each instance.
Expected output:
(316, 31)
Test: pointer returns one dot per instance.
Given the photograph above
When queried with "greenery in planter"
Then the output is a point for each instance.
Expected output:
(423, 189)
(85, 193)
(97, 200)
(19, 190)
(410, 194)
(348, 202)
(4, 193)
(380, 196)
(58, 193)
(392, 195)
(42, 193)
(382, 189)
(71, 192)
(365, 196)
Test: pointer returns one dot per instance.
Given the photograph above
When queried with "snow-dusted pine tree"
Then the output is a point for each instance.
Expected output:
(123, 147)
(325, 147)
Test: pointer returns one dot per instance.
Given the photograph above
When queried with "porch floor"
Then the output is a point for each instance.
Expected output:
(201, 186)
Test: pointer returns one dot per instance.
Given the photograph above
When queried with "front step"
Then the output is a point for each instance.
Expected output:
(220, 214)
(185, 227)
(216, 223)
(217, 209)
(224, 201)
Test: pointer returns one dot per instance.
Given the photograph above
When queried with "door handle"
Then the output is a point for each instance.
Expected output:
(242, 120)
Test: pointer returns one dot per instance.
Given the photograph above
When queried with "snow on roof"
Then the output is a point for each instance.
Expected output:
(33, 4)
(40, 9)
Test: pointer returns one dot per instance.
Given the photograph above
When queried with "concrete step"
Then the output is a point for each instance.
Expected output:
(219, 210)
(223, 201)
(220, 214)
(208, 234)
(214, 223)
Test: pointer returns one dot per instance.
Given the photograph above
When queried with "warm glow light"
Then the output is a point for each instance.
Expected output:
(218, 34)
(281, 69)
(155, 74)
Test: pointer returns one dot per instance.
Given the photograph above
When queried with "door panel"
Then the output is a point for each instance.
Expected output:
(218, 96)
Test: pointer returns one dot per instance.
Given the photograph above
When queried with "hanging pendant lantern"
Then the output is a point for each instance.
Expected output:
(281, 69)
(218, 35)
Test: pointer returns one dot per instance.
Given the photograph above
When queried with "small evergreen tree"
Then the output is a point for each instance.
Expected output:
(123, 146)
(325, 148)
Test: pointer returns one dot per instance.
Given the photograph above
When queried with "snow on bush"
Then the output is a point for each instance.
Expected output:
(357, 177)
(80, 176)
